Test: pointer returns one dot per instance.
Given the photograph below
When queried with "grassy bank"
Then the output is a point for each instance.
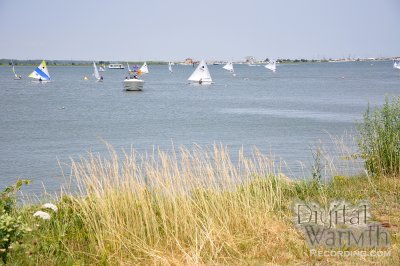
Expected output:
(197, 206)
(192, 207)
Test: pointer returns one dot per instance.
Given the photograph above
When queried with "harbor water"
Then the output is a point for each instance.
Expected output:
(43, 126)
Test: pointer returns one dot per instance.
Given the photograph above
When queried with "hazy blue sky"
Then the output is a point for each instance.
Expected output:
(209, 29)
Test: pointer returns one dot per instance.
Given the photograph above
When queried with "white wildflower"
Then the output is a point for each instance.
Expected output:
(50, 206)
(41, 214)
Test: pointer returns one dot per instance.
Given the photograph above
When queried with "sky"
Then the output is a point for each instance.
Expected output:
(201, 29)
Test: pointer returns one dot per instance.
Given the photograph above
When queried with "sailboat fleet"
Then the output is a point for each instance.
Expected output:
(200, 76)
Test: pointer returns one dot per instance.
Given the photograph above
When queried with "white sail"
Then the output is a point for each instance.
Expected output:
(170, 67)
(41, 72)
(13, 70)
(229, 67)
(96, 72)
(271, 66)
(129, 68)
(201, 75)
(144, 69)
(396, 64)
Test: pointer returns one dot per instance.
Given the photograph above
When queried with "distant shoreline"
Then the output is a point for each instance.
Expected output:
(34, 62)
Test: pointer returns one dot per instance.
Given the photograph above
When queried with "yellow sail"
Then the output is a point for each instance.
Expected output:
(41, 72)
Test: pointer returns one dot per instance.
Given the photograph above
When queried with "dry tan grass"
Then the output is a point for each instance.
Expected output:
(191, 206)
(195, 207)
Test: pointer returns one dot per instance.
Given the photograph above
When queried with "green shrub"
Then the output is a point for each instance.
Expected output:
(379, 139)
(7, 196)
(12, 229)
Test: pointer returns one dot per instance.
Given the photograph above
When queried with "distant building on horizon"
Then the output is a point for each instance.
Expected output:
(188, 61)
(250, 59)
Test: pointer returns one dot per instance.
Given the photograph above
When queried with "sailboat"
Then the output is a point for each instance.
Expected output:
(170, 67)
(229, 67)
(144, 69)
(201, 75)
(96, 74)
(102, 68)
(396, 64)
(129, 68)
(17, 77)
(41, 73)
(271, 66)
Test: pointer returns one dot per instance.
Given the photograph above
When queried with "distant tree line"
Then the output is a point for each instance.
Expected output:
(287, 60)
(300, 60)
(8, 62)
(49, 62)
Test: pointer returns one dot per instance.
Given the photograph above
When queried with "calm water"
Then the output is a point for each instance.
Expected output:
(284, 112)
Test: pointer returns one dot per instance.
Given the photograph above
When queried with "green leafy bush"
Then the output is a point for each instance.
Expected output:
(12, 229)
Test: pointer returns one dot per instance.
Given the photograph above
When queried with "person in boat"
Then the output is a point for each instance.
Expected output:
(200, 81)
(101, 78)
(135, 77)
(40, 79)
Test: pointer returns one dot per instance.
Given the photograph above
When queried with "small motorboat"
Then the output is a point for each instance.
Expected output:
(133, 84)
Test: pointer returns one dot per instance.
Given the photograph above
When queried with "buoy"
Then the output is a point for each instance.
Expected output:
(85, 78)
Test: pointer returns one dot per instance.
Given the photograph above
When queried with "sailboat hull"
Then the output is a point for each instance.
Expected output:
(40, 81)
(204, 83)
(133, 84)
